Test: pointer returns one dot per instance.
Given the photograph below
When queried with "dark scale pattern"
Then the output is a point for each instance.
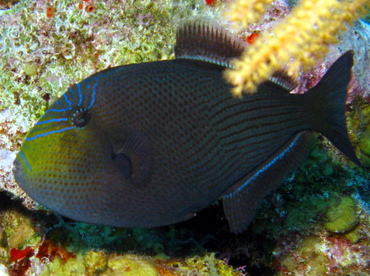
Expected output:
(197, 136)
(162, 141)
(172, 107)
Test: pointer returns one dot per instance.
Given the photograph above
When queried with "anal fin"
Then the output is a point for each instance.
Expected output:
(243, 198)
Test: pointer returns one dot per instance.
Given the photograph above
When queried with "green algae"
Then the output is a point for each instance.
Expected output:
(365, 142)
(310, 255)
(353, 235)
(30, 69)
(367, 16)
(343, 217)
(58, 267)
(307, 256)
(359, 124)
(53, 251)
(304, 196)
(100, 263)
(95, 261)
(18, 230)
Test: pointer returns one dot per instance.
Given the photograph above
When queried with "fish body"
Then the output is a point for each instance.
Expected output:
(151, 144)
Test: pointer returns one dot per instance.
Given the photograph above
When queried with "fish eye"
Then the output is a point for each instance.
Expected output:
(81, 117)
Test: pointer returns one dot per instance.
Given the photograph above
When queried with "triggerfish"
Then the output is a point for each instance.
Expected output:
(153, 143)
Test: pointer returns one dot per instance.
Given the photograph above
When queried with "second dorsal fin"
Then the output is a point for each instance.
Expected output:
(205, 40)
(282, 79)
(202, 39)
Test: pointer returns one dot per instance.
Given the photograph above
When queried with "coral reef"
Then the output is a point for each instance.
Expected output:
(342, 217)
(322, 253)
(365, 142)
(46, 46)
(316, 231)
(298, 41)
(30, 246)
(7, 4)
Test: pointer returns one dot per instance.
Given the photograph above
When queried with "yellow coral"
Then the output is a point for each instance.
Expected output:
(130, 265)
(298, 41)
(342, 218)
(247, 11)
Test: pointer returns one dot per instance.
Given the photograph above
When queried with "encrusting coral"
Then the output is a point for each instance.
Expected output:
(42, 55)
(342, 218)
(321, 253)
(298, 41)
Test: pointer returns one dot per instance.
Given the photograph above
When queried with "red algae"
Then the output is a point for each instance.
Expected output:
(23, 263)
(90, 8)
(19, 254)
(49, 12)
(210, 2)
(21, 259)
(251, 38)
(51, 250)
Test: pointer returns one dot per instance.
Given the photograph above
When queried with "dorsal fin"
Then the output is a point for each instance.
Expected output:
(278, 82)
(282, 79)
(202, 39)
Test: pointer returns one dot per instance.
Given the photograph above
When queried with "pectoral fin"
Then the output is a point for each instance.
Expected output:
(132, 154)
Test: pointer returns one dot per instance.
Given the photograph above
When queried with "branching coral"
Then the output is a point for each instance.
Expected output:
(247, 12)
(298, 41)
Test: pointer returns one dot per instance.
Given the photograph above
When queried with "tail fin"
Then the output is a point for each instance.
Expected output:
(327, 105)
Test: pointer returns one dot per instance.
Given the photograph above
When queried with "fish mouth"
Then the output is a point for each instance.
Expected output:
(17, 170)
(16, 166)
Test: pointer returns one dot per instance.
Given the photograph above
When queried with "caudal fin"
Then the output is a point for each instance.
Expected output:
(326, 102)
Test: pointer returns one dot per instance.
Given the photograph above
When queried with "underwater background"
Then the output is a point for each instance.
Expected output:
(316, 223)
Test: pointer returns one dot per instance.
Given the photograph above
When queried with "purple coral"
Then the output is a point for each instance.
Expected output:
(144, 19)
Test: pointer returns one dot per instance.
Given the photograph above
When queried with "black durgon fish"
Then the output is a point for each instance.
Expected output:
(153, 143)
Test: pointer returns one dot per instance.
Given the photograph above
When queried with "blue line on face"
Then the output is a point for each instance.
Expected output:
(79, 94)
(66, 98)
(63, 109)
(48, 133)
(59, 110)
(52, 121)
(25, 161)
(93, 93)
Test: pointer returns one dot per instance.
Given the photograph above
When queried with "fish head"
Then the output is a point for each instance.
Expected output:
(69, 163)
